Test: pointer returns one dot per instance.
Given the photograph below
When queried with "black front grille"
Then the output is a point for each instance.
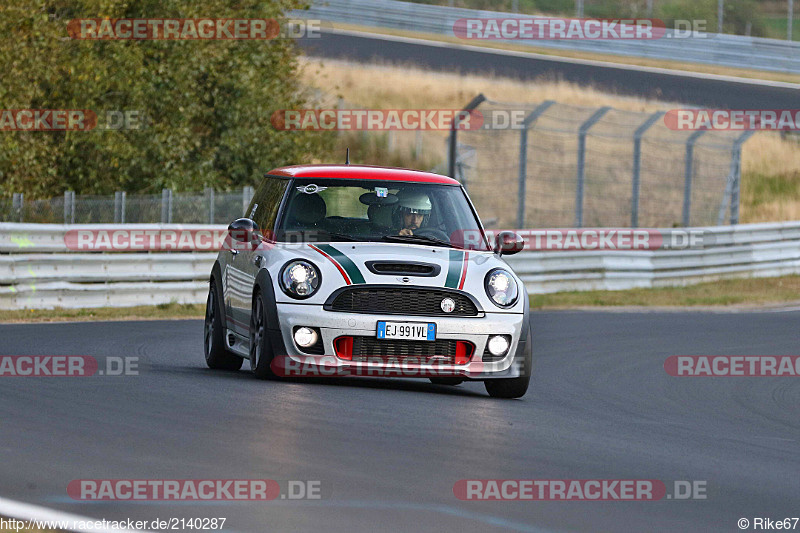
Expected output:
(371, 349)
(400, 301)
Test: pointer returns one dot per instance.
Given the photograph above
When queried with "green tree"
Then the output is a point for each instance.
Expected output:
(205, 105)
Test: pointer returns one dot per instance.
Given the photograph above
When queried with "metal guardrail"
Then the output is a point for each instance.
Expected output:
(709, 48)
(31, 278)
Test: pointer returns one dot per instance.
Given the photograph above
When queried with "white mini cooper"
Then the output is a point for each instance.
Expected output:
(357, 270)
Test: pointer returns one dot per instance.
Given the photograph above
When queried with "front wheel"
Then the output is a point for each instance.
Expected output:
(261, 353)
(507, 387)
(217, 356)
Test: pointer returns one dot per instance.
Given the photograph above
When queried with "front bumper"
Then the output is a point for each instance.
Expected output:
(335, 324)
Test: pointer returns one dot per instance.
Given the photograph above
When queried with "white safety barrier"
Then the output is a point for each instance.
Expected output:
(37, 270)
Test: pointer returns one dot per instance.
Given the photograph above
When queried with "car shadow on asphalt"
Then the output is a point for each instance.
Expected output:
(398, 384)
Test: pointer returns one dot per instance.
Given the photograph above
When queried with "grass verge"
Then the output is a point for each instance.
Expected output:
(157, 312)
(748, 292)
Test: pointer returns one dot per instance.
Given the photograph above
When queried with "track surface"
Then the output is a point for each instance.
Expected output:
(667, 87)
(387, 452)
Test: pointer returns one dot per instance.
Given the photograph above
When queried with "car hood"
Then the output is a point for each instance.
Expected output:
(348, 263)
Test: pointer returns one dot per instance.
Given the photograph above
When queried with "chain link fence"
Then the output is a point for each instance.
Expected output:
(564, 166)
(568, 166)
(207, 207)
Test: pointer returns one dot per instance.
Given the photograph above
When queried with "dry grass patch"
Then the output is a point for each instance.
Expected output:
(770, 163)
(156, 312)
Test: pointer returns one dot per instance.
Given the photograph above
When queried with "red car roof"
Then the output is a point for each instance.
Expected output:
(363, 172)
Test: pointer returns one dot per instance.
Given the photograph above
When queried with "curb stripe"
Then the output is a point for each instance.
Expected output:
(332, 260)
(454, 268)
(346, 262)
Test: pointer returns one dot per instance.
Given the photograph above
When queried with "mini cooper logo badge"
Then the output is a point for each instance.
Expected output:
(448, 305)
(311, 188)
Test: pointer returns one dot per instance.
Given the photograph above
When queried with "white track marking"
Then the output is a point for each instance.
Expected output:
(26, 511)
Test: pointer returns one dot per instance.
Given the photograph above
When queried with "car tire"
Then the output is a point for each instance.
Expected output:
(217, 356)
(513, 387)
(261, 353)
(446, 381)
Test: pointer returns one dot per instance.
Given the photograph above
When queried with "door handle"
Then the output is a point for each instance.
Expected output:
(257, 261)
(234, 251)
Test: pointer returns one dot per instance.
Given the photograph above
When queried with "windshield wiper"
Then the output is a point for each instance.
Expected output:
(417, 239)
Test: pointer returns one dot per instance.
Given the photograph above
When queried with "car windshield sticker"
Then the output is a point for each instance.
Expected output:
(381, 192)
(311, 188)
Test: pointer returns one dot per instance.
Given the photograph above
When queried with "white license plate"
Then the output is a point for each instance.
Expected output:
(415, 331)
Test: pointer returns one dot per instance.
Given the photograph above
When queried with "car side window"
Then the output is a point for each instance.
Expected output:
(266, 202)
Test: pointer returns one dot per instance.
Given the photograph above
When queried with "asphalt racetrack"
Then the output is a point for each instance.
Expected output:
(387, 453)
(669, 87)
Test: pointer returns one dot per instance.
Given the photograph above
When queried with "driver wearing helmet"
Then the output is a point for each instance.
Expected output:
(414, 208)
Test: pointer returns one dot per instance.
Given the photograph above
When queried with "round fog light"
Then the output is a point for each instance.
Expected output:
(305, 337)
(498, 345)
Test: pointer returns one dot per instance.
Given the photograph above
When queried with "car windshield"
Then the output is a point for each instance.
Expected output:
(330, 210)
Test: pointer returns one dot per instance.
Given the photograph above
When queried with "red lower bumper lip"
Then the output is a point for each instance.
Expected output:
(344, 347)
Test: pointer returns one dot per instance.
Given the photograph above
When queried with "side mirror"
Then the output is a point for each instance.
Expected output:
(508, 243)
(244, 230)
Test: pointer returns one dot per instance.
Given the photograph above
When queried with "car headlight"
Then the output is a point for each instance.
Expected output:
(501, 288)
(299, 279)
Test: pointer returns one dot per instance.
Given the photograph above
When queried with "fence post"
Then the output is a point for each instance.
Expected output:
(582, 131)
(69, 207)
(451, 158)
(247, 197)
(122, 207)
(166, 206)
(736, 170)
(687, 183)
(418, 147)
(210, 194)
(117, 206)
(17, 202)
(523, 159)
(637, 164)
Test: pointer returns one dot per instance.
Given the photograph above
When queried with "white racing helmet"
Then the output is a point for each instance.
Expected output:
(412, 201)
